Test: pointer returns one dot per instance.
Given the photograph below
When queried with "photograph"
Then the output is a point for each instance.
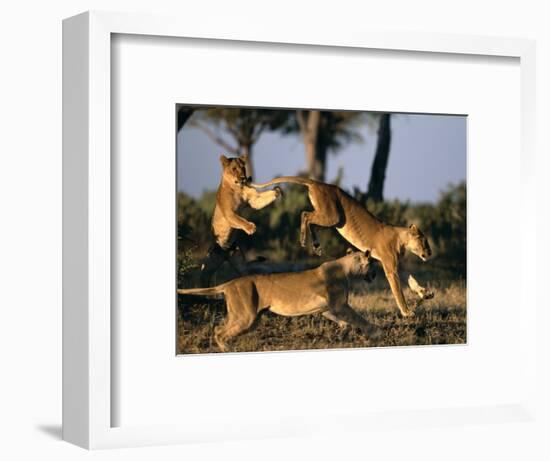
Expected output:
(303, 229)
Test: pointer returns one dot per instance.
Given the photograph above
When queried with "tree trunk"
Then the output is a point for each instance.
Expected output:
(320, 164)
(311, 156)
(309, 127)
(246, 149)
(375, 190)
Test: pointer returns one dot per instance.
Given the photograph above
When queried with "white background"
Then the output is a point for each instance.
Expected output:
(30, 182)
(297, 384)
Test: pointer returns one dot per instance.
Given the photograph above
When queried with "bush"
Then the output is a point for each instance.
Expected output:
(193, 221)
(278, 227)
(446, 224)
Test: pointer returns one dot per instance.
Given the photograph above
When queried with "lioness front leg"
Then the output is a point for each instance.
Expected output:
(330, 316)
(259, 200)
(346, 314)
(238, 222)
(395, 285)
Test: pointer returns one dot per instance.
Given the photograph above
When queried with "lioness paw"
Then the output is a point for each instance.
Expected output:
(408, 313)
(250, 229)
(428, 294)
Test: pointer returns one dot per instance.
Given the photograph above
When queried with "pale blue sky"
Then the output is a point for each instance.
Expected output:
(428, 152)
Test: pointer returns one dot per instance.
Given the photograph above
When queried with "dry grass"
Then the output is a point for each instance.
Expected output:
(441, 320)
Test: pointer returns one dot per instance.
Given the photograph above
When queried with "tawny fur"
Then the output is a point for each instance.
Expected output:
(324, 289)
(232, 196)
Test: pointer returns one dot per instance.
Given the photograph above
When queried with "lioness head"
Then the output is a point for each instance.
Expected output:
(234, 170)
(360, 265)
(418, 243)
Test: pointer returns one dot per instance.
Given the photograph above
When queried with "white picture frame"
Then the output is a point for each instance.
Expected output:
(87, 182)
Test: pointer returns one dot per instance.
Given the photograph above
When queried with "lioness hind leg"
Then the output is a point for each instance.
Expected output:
(328, 218)
(232, 328)
(215, 257)
(241, 316)
(237, 260)
(218, 337)
(304, 227)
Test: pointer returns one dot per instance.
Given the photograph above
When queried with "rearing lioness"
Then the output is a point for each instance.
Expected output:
(323, 290)
(232, 196)
(335, 208)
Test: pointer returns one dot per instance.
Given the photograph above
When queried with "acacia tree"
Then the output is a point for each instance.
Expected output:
(309, 122)
(184, 113)
(323, 132)
(243, 127)
(375, 189)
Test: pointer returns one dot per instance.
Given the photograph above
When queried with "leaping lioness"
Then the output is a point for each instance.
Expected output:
(232, 196)
(332, 207)
(323, 290)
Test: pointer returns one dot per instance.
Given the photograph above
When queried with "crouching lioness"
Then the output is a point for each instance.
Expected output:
(323, 290)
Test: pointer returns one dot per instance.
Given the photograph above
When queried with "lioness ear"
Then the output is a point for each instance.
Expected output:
(367, 253)
(413, 227)
(224, 160)
(349, 251)
(244, 157)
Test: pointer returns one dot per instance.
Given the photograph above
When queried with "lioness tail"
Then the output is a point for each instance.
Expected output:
(202, 291)
(285, 179)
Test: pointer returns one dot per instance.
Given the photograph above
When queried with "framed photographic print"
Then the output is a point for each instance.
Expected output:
(230, 195)
(259, 259)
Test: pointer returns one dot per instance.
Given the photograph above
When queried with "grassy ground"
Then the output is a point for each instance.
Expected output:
(441, 320)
